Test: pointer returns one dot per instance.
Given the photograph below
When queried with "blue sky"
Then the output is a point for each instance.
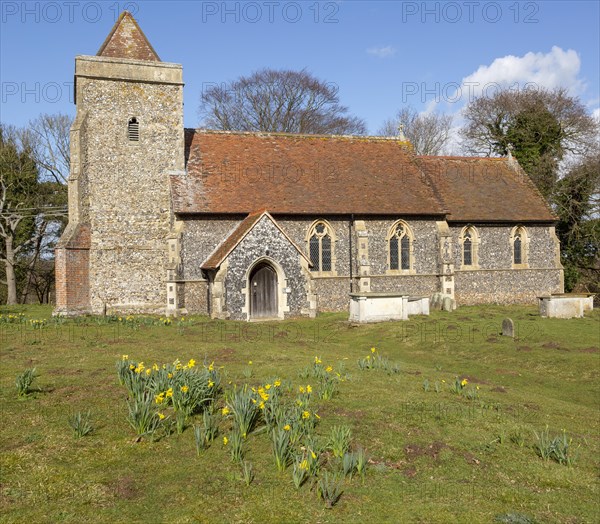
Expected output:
(381, 55)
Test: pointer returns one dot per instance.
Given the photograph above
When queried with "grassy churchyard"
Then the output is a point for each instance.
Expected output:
(438, 419)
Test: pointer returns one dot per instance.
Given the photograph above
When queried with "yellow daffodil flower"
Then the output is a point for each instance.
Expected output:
(184, 388)
(225, 411)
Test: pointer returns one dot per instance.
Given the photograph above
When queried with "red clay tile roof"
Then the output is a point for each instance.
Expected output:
(485, 189)
(215, 259)
(229, 172)
(300, 174)
(127, 40)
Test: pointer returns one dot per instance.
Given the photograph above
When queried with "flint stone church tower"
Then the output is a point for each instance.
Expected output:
(169, 220)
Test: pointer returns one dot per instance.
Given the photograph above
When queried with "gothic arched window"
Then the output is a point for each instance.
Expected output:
(520, 245)
(400, 242)
(320, 247)
(470, 247)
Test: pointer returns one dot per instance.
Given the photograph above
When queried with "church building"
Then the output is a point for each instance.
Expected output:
(239, 225)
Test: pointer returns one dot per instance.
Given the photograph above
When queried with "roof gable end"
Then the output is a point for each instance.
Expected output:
(222, 251)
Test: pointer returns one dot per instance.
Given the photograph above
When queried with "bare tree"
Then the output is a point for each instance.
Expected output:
(29, 210)
(47, 137)
(278, 101)
(18, 178)
(427, 132)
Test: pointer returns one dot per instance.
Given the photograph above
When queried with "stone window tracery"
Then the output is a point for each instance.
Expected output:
(320, 247)
(470, 247)
(400, 247)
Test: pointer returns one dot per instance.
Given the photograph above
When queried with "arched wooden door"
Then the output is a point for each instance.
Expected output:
(263, 292)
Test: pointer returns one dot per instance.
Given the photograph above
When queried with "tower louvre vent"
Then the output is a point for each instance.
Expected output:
(133, 130)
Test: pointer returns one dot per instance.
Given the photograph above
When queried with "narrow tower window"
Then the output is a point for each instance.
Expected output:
(133, 130)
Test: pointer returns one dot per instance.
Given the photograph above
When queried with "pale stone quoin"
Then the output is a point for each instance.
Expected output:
(250, 226)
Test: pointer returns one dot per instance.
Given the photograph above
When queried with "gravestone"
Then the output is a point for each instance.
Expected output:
(508, 328)
(447, 304)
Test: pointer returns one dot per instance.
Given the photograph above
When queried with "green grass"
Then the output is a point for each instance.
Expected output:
(435, 457)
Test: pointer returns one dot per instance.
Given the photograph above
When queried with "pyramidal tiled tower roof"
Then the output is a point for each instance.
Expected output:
(127, 40)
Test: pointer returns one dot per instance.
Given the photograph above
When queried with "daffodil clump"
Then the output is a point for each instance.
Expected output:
(13, 318)
(185, 389)
(328, 379)
(459, 385)
(558, 448)
(37, 324)
(165, 397)
(376, 361)
(23, 382)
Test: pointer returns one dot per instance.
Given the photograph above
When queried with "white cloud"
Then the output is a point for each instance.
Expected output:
(558, 68)
(382, 52)
(596, 113)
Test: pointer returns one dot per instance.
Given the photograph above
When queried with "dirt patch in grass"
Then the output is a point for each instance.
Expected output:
(499, 389)
(415, 373)
(69, 392)
(471, 459)
(65, 371)
(590, 350)
(409, 472)
(492, 340)
(414, 451)
(551, 345)
(96, 372)
(225, 355)
(523, 348)
(125, 488)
